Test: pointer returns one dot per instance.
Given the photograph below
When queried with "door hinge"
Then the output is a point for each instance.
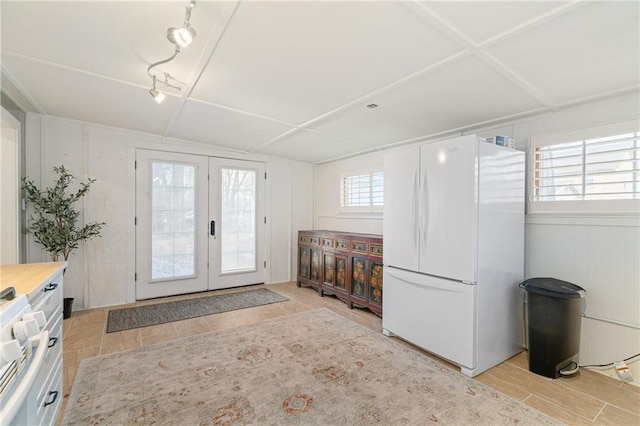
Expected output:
(135, 221)
(135, 276)
(265, 175)
(265, 219)
(265, 263)
(135, 165)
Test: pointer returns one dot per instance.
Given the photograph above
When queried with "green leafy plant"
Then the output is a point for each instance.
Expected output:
(54, 224)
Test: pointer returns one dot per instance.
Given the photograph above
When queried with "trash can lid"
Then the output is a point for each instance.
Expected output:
(553, 287)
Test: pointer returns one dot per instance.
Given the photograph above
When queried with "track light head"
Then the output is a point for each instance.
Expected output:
(181, 36)
(157, 95)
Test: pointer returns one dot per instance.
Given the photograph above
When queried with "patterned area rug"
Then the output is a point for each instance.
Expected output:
(160, 313)
(311, 368)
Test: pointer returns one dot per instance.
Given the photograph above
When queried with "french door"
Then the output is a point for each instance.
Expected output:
(199, 223)
(236, 228)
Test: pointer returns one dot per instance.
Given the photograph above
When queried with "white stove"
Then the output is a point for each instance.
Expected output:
(24, 343)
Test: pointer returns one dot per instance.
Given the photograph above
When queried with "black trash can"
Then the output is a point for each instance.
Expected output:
(554, 311)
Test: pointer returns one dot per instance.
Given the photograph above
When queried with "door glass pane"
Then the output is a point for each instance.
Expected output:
(238, 227)
(173, 238)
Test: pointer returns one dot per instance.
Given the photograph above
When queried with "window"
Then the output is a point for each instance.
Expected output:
(173, 238)
(238, 192)
(362, 192)
(589, 170)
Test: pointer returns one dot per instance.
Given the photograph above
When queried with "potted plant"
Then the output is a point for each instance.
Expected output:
(54, 223)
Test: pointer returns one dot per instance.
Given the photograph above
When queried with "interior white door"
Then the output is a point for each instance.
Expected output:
(171, 224)
(237, 223)
(449, 188)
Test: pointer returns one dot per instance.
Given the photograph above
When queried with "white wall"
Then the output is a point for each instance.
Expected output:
(599, 254)
(291, 199)
(602, 256)
(327, 196)
(302, 217)
(100, 273)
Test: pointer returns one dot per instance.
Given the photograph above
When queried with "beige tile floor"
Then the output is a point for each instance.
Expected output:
(590, 399)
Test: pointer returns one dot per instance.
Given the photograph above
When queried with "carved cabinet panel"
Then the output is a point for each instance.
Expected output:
(348, 266)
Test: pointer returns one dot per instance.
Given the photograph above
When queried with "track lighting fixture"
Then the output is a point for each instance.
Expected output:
(157, 95)
(181, 37)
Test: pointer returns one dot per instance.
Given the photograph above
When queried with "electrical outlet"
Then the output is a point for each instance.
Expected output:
(623, 371)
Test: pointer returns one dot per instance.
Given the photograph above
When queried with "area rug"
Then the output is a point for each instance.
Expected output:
(311, 368)
(144, 316)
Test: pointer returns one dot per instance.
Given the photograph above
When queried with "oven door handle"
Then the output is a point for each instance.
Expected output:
(19, 396)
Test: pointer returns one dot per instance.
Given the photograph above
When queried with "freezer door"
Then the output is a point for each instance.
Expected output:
(432, 313)
(449, 208)
(401, 194)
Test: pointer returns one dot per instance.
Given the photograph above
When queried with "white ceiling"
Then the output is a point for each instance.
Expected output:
(293, 78)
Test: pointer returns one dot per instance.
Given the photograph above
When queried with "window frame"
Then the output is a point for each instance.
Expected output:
(371, 208)
(599, 207)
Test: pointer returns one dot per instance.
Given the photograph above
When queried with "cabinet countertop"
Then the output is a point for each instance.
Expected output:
(26, 277)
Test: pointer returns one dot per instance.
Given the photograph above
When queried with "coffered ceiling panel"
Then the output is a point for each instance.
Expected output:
(313, 147)
(88, 98)
(496, 16)
(211, 124)
(594, 49)
(294, 61)
(456, 95)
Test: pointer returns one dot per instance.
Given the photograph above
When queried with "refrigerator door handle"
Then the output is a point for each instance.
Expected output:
(425, 213)
(435, 283)
(414, 211)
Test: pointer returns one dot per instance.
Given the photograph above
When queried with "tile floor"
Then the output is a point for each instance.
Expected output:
(590, 399)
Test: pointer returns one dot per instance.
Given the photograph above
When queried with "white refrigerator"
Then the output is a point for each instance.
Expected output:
(454, 250)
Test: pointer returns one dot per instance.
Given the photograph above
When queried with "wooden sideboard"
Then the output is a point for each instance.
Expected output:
(348, 266)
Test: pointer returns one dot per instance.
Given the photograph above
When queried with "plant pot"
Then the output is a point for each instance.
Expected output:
(68, 303)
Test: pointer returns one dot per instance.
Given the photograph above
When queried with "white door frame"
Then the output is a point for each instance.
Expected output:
(230, 280)
(10, 178)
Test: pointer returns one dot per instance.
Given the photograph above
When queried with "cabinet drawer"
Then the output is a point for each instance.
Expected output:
(49, 397)
(359, 247)
(52, 356)
(342, 244)
(375, 250)
(327, 243)
(55, 341)
(48, 298)
(304, 239)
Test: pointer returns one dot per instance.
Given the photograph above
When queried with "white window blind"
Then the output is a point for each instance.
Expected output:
(362, 192)
(578, 168)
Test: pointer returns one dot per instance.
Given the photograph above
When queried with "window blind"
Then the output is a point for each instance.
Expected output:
(362, 190)
(602, 168)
